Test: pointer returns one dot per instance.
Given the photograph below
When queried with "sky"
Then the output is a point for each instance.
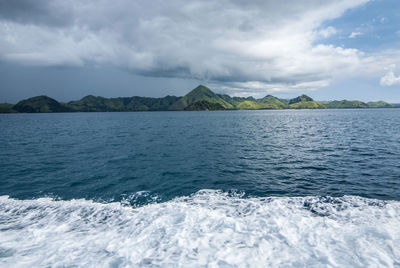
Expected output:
(327, 49)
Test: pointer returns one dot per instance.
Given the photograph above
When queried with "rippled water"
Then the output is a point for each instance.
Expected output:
(286, 188)
(169, 154)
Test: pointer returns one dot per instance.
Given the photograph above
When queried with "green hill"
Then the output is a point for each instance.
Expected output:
(307, 105)
(200, 93)
(240, 102)
(40, 104)
(6, 108)
(157, 104)
(200, 98)
(99, 104)
(255, 105)
(204, 106)
(345, 104)
(247, 105)
(273, 102)
(304, 102)
(302, 98)
(284, 101)
(379, 104)
(91, 103)
(250, 103)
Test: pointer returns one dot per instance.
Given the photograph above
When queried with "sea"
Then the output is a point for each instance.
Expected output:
(266, 188)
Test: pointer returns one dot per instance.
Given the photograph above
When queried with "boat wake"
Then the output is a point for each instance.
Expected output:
(208, 228)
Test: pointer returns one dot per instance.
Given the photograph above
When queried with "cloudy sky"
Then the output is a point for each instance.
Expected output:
(328, 49)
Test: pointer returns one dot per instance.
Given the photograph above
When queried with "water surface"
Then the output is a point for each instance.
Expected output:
(201, 189)
(170, 154)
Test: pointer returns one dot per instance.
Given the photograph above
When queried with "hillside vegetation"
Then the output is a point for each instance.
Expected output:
(200, 98)
(200, 93)
(204, 106)
(40, 104)
(6, 108)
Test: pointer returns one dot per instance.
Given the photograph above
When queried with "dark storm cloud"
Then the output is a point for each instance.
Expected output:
(251, 43)
(43, 12)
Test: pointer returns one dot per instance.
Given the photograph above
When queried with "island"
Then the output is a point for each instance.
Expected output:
(199, 99)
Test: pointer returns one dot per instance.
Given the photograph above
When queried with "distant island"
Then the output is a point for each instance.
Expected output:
(199, 99)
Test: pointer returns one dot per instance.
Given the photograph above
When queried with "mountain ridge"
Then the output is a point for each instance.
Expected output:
(200, 93)
(200, 98)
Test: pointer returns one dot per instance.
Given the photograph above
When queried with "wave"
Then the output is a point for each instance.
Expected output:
(209, 228)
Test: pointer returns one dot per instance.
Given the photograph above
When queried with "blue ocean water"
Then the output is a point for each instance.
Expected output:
(262, 153)
(223, 188)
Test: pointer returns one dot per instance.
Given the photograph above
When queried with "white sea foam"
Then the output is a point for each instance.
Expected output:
(209, 228)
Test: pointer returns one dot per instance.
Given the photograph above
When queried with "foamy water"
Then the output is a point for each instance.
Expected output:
(209, 228)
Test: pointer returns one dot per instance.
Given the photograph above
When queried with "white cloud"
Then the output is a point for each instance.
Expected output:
(327, 32)
(260, 89)
(250, 45)
(390, 79)
(355, 34)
